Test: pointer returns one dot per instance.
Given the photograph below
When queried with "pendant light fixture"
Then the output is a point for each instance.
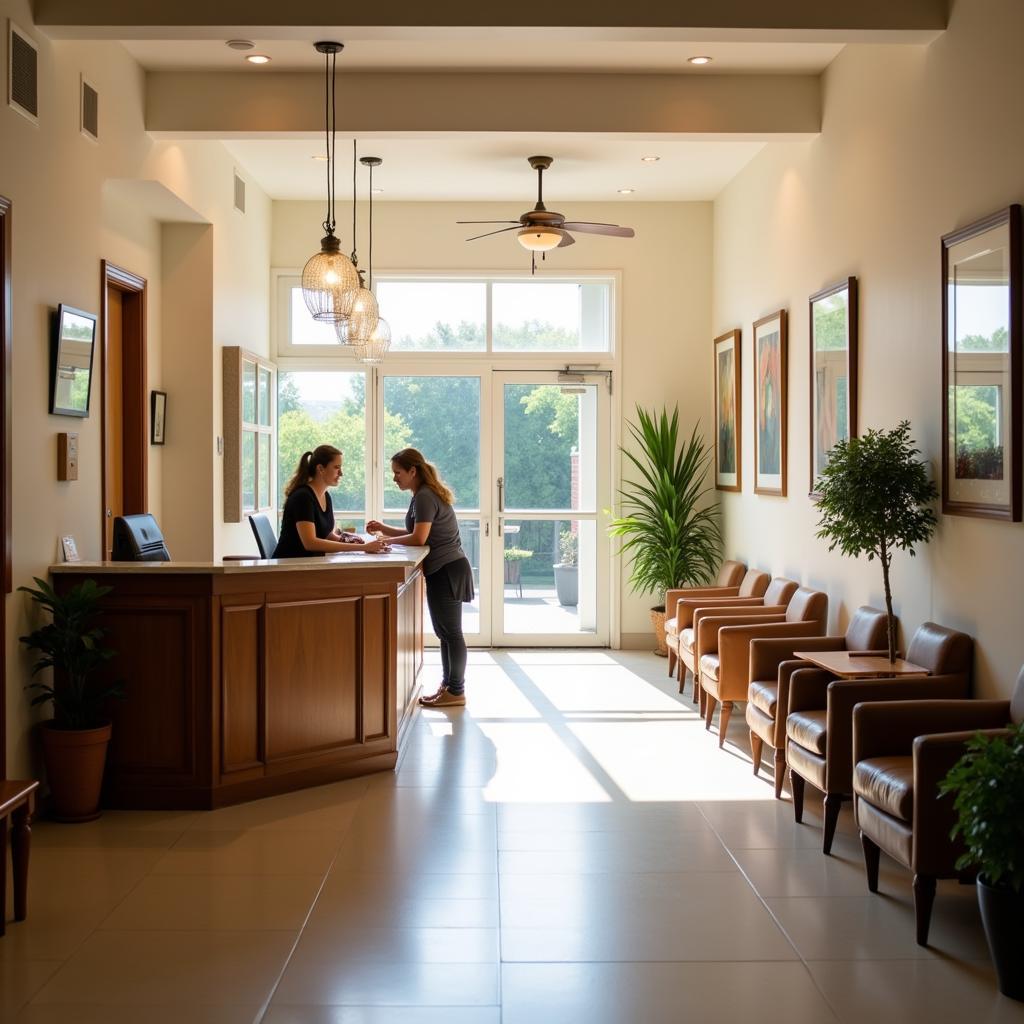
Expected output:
(329, 279)
(370, 340)
(361, 314)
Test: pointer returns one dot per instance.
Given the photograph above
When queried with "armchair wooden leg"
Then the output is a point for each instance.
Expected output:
(681, 675)
(709, 708)
(924, 897)
(872, 854)
(672, 658)
(833, 805)
(723, 721)
(796, 784)
(21, 837)
(698, 694)
(756, 747)
(780, 772)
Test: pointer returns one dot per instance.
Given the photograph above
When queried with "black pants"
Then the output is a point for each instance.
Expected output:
(445, 589)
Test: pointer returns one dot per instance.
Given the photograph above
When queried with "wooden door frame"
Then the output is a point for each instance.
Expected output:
(5, 460)
(134, 408)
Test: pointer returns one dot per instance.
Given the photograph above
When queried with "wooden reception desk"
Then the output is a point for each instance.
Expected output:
(249, 678)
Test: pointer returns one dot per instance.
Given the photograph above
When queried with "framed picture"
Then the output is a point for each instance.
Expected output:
(157, 417)
(770, 372)
(74, 334)
(69, 549)
(727, 412)
(833, 362)
(981, 368)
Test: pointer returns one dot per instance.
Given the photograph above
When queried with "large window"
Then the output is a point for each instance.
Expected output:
(248, 433)
(466, 314)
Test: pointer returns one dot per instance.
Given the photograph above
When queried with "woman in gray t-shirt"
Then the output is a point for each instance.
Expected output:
(431, 520)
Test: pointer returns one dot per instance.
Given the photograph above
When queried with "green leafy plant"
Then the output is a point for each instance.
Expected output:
(72, 648)
(673, 537)
(876, 497)
(568, 547)
(989, 785)
(517, 554)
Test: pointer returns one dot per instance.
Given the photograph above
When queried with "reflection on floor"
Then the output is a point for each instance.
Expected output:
(570, 847)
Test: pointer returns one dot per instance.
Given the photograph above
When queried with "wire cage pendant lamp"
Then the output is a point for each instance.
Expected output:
(329, 278)
(365, 331)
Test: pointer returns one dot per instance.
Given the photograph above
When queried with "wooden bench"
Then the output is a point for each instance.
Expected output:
(17, 802)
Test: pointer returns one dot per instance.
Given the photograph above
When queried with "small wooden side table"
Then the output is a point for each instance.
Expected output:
(850, 665)
(17, 804)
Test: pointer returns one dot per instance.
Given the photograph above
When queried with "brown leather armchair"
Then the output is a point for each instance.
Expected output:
(819, 726)
(771, 666)
(723, 649)
(729, 584)
(901, 753)
(775, 597)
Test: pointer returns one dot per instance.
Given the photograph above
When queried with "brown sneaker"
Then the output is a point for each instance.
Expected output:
(443, 699)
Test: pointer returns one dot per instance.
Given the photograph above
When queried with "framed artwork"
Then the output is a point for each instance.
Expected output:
(833, 362)
(157, 417)
(727, 412)
(770, 372)
(981, 368)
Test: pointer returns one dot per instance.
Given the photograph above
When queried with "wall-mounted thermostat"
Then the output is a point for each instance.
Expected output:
(67, 456)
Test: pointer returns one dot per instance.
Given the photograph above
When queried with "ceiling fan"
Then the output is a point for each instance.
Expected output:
(539, 230)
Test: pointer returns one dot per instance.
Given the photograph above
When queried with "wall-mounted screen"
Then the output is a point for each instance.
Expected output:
(71, 379)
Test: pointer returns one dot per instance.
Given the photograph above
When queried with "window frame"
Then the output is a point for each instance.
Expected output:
(284, 279)
(236, 428)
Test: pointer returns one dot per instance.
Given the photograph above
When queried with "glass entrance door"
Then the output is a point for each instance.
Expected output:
(550, 465)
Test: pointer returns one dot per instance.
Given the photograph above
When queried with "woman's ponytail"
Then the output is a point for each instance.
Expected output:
(322, 455)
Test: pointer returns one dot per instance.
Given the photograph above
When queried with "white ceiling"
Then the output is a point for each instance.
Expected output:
(468, 50)
(477, 168)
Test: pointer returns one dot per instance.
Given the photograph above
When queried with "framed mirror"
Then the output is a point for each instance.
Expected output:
(833, 362)
(74, 337)
(981, 368)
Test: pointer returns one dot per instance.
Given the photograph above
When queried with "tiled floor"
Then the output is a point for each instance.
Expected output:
(570, 847)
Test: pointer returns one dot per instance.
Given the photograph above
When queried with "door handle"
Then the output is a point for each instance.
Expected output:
(501, 494)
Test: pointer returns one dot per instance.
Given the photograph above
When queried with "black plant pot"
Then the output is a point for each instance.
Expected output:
(1002, 914)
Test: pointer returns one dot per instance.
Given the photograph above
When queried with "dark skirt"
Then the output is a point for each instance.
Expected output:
(454, 579)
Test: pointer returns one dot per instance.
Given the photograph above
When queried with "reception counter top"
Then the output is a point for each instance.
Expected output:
(247, 678)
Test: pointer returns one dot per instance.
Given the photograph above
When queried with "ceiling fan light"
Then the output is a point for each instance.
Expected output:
(539, 239)
(329, 282)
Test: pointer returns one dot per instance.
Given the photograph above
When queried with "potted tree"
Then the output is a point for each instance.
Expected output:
(75, 739)
(989, 785)
(566, 571)
(672, 534)
(875, 498)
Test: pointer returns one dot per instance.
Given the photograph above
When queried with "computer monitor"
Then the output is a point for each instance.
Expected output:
(138, 539)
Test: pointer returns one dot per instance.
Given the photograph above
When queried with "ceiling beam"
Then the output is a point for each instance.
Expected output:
(231, 105)
(129, 19)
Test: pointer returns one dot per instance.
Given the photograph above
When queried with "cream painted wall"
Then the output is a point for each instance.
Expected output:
(915, 143)
(666, 281)
(64, 223)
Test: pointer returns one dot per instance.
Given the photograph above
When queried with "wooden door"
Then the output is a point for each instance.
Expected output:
(113, 450)
(5, 459)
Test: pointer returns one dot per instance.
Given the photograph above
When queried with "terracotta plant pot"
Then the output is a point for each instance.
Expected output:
(1002, 914)
(74, 768)
(658, 621)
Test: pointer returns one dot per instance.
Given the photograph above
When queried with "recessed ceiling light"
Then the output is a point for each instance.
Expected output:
(626, 191)
(258, 58)
(240, 44)
(376, 191)
(699, 60)
(649, 159)
(319, 156)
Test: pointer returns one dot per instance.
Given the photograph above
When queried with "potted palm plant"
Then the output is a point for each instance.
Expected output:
(988, 783)
(566, 571)
(673, 535)
(75, 740)
(875, 498)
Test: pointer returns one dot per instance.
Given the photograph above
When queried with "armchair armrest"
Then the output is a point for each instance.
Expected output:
(676, 594)
(808, 689)
(766, 654)
(881, 729)
(708, 625)
(844, 694)
(686, 607)
(786, 671)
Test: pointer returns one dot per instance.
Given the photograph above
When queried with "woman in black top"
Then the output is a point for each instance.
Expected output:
(307, 523)
(431, 520)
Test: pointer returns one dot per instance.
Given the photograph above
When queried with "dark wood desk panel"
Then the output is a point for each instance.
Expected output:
(240, 684)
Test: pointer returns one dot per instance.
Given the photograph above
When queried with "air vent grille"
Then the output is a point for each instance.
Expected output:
(22, 73)
(239, 194)
(90, 111)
